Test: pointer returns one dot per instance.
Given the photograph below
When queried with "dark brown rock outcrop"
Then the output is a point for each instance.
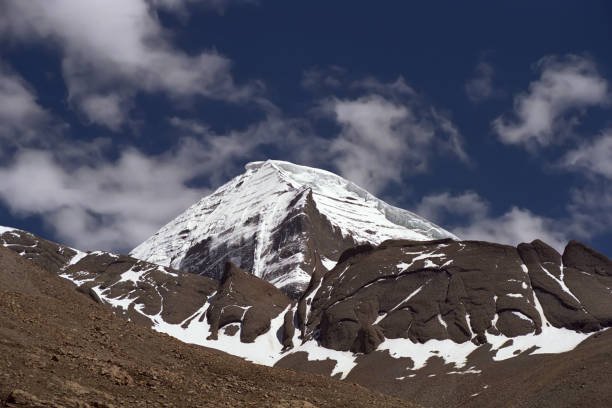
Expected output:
(457, 290)
(244, 299)
(49, 255)
(561, 307)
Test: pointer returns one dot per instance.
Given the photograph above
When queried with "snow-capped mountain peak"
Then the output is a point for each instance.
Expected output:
(277, 220)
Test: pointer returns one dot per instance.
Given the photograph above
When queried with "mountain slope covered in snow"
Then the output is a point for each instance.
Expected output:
(279, 221)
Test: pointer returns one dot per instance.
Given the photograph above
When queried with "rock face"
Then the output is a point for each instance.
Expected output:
(136, 289)
(49, 255)
(460, 291)
(245, 300)
(422, 291)
(274, 221)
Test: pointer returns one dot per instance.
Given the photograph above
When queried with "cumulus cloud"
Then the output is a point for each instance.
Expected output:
(480, 87)
(22, 119)
(114, 49)
(372, 140)
(437, 207)
(470, 218)
(594, 157)
(387, 132)
(515, 226)
(100, 206)
(554, 103)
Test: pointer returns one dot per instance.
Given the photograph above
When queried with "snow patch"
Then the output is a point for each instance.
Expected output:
(328, 263)
(74, 278)
(419, 353)
(76, 258)
(6, 229)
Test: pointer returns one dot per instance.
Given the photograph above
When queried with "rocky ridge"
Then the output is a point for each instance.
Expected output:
(412, 310)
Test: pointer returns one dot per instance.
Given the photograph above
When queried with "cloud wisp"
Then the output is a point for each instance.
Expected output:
(553, 105)
(480, 87)
(591, 157)
(22, 118)
(386, 131)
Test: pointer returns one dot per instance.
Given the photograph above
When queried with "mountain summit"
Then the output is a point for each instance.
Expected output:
(280, 221)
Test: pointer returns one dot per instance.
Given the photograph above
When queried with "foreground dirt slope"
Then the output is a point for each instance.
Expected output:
(60, 349)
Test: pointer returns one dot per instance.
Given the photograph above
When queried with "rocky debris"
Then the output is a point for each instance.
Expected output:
(244, 299)
(20, 398)
(58, 348)
(294, 404)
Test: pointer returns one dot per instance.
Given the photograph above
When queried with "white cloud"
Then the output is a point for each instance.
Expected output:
(480, 87)
(477, 223)
(588, 210)
(21, 117)
(591, 208)
(111, 205)
(386, 133)
(108, 110)
(592, 157)
(449, 136)
(113, 49)
(373, 140)
(437, 207)
(515, 226)
(554, 103)
(591, 202)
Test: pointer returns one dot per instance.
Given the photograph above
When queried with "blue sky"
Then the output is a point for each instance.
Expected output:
(492, 120)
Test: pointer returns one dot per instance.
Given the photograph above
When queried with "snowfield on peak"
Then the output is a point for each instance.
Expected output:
(262, 221)
(5, 229)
